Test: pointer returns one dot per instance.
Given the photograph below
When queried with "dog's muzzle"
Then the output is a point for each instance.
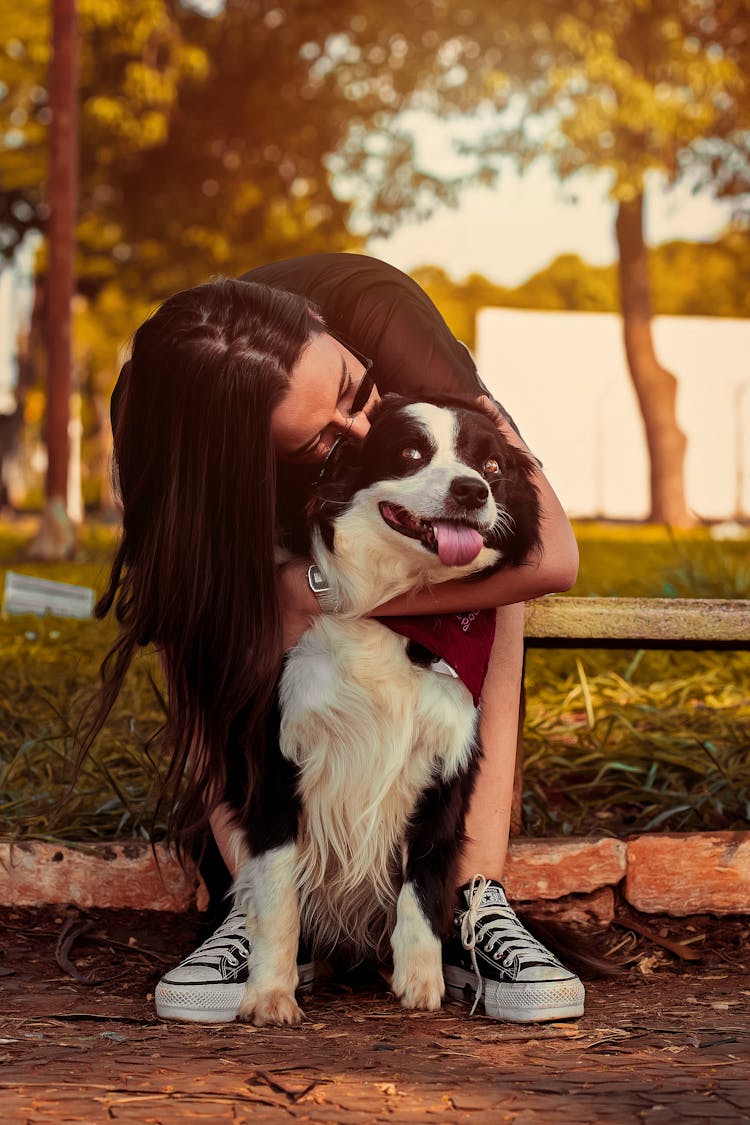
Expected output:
(454, 542)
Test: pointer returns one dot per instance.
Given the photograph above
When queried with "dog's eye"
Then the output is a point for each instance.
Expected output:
(411, 454)
(491, 468)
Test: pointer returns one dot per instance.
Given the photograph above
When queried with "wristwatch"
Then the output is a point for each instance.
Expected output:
(318, 583)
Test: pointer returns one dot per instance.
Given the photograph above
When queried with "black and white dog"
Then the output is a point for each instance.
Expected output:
(357, 824)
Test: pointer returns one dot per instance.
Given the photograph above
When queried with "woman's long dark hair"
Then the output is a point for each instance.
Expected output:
(194, 573)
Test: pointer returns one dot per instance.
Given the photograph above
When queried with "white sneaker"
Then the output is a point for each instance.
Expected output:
(494, 956)
(207, 987)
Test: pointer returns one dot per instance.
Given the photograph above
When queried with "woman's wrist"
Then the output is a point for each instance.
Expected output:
(299, 604)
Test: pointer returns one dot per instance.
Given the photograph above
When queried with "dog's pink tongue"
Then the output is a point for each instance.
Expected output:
(457, 545)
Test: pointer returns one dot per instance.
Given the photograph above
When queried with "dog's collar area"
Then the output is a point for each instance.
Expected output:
(426, 658)
(456, 644)
(457, 543)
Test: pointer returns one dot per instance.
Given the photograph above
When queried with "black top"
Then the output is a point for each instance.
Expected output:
(385, 315)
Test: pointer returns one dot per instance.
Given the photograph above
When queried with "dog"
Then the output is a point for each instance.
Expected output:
(355, 828)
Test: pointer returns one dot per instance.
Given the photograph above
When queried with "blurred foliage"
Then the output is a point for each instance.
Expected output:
(629, 86)
(195, 157)
(102, 330)
(619, 560)
(209, 143)
(132, 63)
(615, 741)
(689, 278)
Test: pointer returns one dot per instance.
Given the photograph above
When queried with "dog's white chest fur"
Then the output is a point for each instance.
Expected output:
(369, 731)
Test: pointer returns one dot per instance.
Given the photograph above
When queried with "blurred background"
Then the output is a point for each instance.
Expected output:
(570, 182)
(591, 156)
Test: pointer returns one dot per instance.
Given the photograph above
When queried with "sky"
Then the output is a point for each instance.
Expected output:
(522, 224)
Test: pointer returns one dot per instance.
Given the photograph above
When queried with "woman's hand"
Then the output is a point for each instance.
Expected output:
(299, 606)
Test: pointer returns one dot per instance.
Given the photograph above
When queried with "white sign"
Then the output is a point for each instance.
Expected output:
(26, 594)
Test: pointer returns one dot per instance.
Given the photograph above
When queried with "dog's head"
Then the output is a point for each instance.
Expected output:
(435, 492)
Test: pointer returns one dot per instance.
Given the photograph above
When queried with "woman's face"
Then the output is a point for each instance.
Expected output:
(316, 407)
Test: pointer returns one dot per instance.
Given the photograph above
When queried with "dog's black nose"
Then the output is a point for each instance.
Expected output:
(469, 492)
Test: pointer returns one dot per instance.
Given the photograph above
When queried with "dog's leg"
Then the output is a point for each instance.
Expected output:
(424, 911)
(266, 887)
(417, 954)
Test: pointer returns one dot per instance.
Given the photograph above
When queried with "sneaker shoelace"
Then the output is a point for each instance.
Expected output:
(223, 942)
(506, 930)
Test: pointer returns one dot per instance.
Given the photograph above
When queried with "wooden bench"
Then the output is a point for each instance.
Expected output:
(655, 623)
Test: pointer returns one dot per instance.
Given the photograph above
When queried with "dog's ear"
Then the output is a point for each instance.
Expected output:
(331, 495)
(343, 475)
(388, 405)
(516, 492)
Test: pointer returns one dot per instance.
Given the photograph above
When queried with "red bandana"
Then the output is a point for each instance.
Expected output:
(462, 640)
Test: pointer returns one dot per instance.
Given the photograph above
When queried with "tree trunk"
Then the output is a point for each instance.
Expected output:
(655, 387)
(56, 536)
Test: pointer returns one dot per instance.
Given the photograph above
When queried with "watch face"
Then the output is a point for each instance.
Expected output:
(317, 582)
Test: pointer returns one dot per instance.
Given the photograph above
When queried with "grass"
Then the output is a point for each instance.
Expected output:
(615, 741)
(49, 667)
(622, 741)
(654, 741)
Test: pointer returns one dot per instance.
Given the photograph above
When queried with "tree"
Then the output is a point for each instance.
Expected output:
(131, 67)
(55, 538)
(203, 140)
(631, 86)
(124, 96)
(209, 144)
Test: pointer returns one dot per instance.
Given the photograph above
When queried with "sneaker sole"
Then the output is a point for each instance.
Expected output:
(210, 1003)
(536, 1002)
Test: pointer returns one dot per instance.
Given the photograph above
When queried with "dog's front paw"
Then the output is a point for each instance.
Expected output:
(417, 955)
(274, 1007)
(420, 984)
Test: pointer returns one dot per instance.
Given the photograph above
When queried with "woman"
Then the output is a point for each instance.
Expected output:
(233, 397)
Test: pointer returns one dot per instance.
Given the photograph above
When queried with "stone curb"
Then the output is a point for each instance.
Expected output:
(126, 876)
(697, 873)
(663, 873)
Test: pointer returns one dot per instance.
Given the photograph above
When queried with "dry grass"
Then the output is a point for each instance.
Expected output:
(653, 741)
(49, 671)
(615, 741)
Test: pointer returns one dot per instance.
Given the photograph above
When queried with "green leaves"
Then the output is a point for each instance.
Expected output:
(631, 87)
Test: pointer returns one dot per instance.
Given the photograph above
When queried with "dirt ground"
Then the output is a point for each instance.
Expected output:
(667, 1040)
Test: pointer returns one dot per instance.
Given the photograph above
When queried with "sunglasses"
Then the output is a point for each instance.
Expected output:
(362, 396)
(366, 383)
